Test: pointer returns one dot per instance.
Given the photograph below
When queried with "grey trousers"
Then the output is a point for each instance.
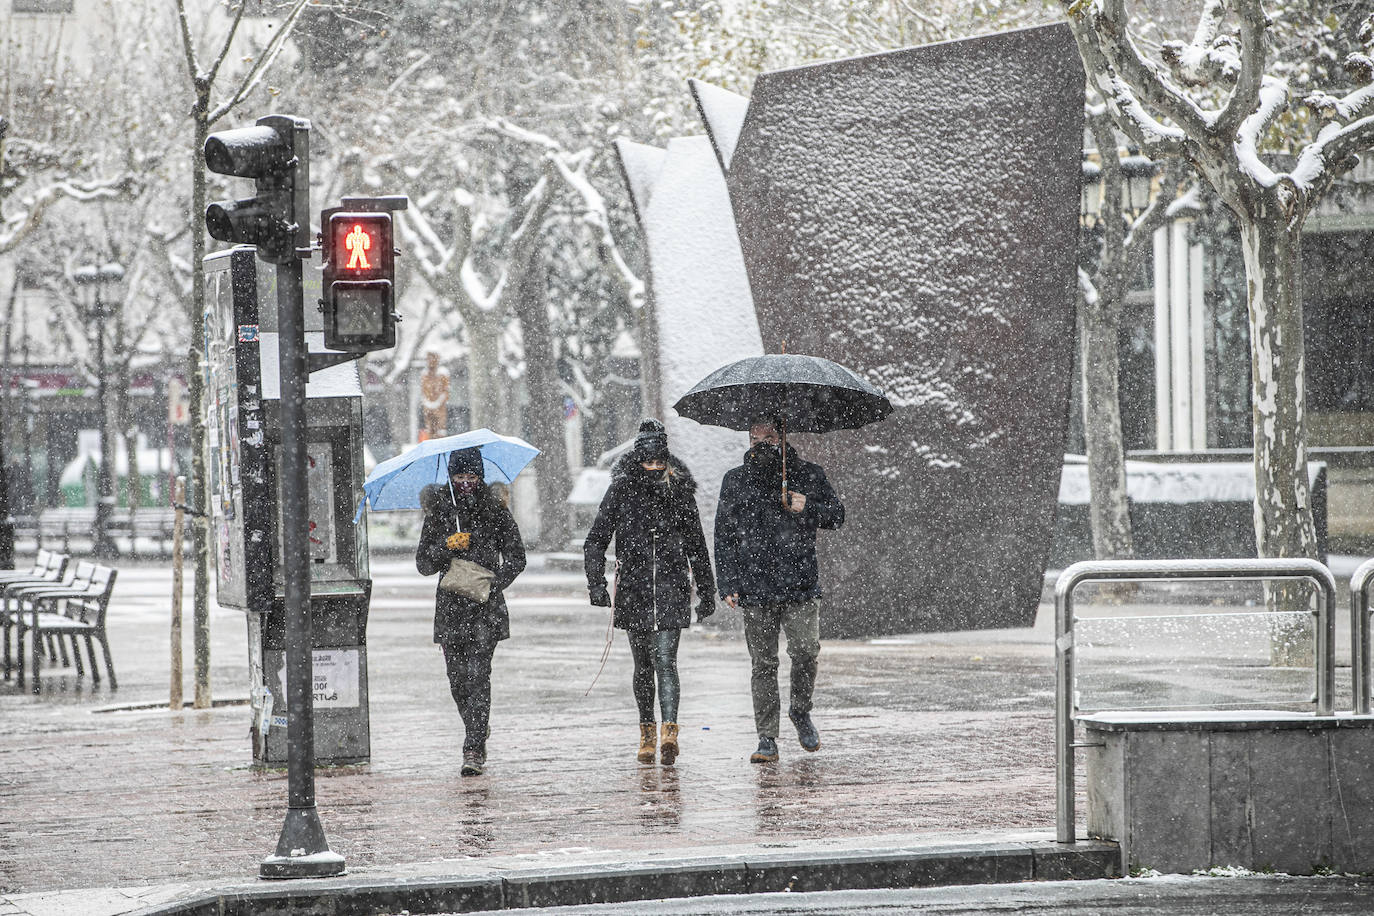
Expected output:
(800, 622)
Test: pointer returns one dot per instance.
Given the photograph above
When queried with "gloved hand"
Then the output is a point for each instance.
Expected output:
(706, 606)
(600, 596)
(459, 540)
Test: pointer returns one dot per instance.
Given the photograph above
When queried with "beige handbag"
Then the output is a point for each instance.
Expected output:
(465, 578)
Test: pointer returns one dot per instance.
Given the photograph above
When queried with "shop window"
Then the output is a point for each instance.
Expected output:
(1338, 321)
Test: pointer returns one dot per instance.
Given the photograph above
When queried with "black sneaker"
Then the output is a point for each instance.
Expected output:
(474, 763)
(767, 751)
(806, 731)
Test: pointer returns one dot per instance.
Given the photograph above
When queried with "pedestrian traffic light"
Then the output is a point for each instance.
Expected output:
(359, 269)
(275, 154)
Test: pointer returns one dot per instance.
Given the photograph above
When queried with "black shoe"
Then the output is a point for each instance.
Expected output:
(474, 763)
(806, 731)
(767, 751)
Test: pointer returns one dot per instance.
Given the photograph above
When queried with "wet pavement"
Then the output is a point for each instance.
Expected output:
(924, 735)
(921, 734)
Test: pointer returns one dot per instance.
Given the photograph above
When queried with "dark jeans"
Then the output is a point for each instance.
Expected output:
(469, 679)
(656, 654)
(800, 623)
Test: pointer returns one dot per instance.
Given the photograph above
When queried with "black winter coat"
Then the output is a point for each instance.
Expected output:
(764, 553)
(658, 540)
(495, 544)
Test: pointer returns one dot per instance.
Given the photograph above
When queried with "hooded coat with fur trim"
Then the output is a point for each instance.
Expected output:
(495, 544)
(653, 517)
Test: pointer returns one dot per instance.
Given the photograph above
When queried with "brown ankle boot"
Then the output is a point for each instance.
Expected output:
(668, 743)
(646, 742)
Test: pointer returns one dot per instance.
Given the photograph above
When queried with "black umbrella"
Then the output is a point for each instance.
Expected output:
(807, 394)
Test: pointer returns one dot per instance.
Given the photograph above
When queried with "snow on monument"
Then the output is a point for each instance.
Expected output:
(701, 313)
(914, 216)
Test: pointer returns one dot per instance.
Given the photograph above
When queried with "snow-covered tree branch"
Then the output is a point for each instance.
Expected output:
(20, 221)
(1230, 146)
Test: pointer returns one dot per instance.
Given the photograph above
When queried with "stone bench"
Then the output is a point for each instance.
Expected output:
(1255, 789)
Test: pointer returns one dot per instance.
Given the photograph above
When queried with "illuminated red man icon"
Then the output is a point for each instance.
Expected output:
(358, 242)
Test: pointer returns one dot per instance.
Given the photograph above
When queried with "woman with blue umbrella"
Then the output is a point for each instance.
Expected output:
(470, 539)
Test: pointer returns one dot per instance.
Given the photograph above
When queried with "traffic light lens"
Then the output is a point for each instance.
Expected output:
(358, 272)
(360, 312)
(359, 245)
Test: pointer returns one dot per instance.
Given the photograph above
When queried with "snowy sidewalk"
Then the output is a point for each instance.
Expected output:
(934, 736)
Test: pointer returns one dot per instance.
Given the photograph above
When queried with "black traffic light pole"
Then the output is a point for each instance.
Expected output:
(302, 850)
(276, 155)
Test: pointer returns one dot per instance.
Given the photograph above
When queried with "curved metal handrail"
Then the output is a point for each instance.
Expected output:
(1359, 634)
(1134, 570)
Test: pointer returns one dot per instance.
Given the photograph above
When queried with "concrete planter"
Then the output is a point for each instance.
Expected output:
(1260, 790)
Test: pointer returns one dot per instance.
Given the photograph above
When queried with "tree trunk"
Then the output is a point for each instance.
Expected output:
(126, 425)
(646, 334)
(1283, 502)
(133, 479)
(545, 410)
(1109, 510)
(196, 396)
(1099, 328)
(485, 400)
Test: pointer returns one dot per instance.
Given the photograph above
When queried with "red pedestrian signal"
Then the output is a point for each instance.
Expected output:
(358, 281)
(360, 243)
(357, 242)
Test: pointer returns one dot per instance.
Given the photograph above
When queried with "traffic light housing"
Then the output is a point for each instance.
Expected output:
(359, 281)
(275, 154)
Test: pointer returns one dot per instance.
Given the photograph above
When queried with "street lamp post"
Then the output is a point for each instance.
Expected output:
(1137, 174)
(6, 522)
(97, 276)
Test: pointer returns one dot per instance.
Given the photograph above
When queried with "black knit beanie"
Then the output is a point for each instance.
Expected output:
(651, 441)
(466, 461)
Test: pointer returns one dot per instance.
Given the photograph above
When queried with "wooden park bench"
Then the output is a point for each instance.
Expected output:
(48, 566)
(49, 570)
(145, 531)
(60, 525)
(148, 525)
(76, 610)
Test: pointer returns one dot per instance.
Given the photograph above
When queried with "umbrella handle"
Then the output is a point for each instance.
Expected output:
(782, 431)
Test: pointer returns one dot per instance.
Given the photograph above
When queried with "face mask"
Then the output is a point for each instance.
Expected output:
(466, 487)
(766, 451)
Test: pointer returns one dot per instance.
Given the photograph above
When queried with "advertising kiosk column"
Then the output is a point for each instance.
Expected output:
(244, 423)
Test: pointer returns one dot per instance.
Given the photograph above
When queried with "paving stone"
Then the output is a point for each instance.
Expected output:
(929, 734)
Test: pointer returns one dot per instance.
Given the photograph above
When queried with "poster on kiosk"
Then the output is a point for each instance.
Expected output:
(243, 424)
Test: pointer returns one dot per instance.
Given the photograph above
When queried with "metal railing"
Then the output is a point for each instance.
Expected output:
(1360, 584)
(1136, 570)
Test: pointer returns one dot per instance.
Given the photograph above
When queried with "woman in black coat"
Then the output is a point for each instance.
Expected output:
(468, 630)
(650, 510)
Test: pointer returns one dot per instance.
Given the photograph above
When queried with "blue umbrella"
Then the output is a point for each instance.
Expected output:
(396, 482)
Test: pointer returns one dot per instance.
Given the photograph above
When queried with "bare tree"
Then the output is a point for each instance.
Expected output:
(1213, 102)
(449, 266)
(205, 113)
(1122, 240)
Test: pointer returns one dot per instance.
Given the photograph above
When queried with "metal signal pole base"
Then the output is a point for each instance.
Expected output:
(302, 850)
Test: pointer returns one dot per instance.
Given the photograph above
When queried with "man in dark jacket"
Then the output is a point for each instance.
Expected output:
(464, 520)
(766, 564)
